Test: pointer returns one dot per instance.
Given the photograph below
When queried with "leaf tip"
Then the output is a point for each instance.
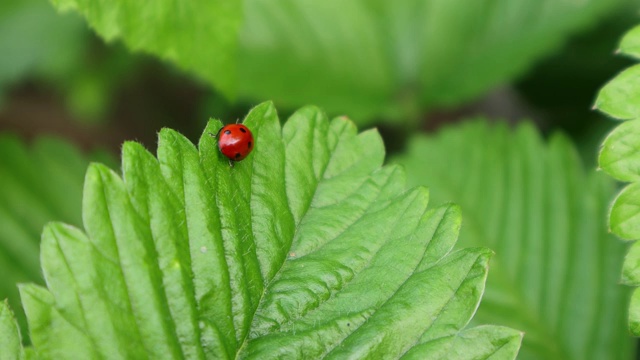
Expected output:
(268, 105)
(131, 148)
(166, 132)
(454, 208)
(27, 291)
(96, 171)
(4, 308)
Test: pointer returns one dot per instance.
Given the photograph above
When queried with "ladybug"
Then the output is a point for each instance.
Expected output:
(235, 141)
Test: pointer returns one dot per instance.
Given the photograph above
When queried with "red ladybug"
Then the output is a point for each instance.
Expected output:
(235, 141)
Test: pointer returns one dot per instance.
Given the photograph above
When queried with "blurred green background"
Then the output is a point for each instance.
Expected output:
(414, 65)
(68, 97)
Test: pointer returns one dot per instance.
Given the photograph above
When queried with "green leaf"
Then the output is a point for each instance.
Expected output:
(39, 183)
(199, 36)
(630, 270)
(630, 44)
(39, 45)
(379, 58)
(308, 242)
(57, 338)
(634, 313)
(481, 342)
(618, 157)
(10, 344)
(624, 219)
(34, 39)
(620, 153)
(556, 270)
(620, 97)
(394, 59)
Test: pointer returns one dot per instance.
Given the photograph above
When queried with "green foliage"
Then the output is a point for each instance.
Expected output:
(40, 45)
(392, 59)
(10, 346)
(630, 44)
(379, 58)
(556, 268)
(620, 98)
(619, 156)
(34, 39)
(38, 184)
(308, 248)
(200, 36)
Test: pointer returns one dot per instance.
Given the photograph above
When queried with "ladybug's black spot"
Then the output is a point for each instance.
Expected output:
(249, 144)
(243, 130)
(238, 155)
(227, 132)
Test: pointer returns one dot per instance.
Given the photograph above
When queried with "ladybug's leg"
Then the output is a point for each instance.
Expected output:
(216, 135)
(230, 163)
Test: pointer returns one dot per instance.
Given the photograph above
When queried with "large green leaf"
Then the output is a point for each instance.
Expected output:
(394, 58)
(38, 184)
(556, 270)
(367, 58)
(620, 98)
(308, 248)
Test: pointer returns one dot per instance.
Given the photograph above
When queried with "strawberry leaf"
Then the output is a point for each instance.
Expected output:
(308, 248)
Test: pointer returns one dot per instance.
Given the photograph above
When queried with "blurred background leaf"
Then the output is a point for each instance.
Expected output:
(34, 39)
(369, 59)
(555, 274)
(200, 35)
(406, 61)
(58, 51)
(394, 60)
(39, 183)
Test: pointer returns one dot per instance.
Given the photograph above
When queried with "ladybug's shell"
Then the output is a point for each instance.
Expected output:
(235, 141)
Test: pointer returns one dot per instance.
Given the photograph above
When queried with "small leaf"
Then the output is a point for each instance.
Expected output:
(624, 219)
(556, 268)
(10, 343)
(620, 97)
(620, 153)
(199, 36)
(630, 44)
(308, 242)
